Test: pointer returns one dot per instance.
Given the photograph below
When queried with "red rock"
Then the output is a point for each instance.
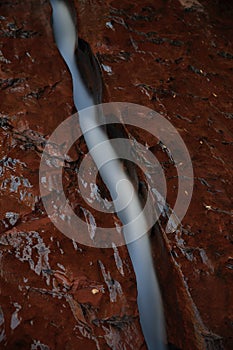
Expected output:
(175, 61)
(178, 61)
(37, 310)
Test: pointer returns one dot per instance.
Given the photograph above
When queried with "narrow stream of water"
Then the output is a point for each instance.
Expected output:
(117, 182)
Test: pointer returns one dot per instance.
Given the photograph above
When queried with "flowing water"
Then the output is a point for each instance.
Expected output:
(116, 180)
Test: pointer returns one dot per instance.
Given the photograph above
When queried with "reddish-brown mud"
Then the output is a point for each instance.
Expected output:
(166, 55)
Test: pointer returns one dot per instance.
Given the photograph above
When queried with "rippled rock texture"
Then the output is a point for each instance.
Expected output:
(175, 57)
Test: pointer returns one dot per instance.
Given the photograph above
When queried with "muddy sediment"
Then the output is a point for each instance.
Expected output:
(175, 58)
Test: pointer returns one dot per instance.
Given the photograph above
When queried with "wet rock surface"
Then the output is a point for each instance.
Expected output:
(55, 294)
(176, 58)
